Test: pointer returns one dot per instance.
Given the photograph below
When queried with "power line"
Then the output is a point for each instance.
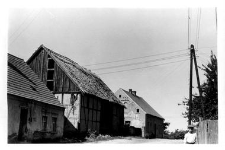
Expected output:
(131, 64)
(169, 73)
(25, 28)
(28, 16)
(216, 17)
(136, 57)
(198, 27)
(102, 63)
(188, 27)
(142, 67)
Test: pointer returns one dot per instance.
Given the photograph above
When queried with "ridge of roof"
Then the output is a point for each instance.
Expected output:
(143, 104)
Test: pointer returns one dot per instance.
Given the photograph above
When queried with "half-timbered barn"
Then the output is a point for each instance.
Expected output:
(33, 111)
(89, 103)
(142, 119)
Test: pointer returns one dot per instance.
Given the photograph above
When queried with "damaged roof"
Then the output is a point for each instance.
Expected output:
(87, 81)
(143, 104)
(23, 82)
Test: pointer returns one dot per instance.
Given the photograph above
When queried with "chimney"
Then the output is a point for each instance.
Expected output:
(130, 90)
(134, 93)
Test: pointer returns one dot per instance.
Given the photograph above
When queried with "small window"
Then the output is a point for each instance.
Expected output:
(119, 96)
(51, 64)
(54, 123)
(127, 123)
(44, 122)
(50, 85)
(137, 110)
(50, 74)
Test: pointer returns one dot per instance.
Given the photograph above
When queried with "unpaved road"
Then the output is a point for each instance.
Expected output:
(135, 140)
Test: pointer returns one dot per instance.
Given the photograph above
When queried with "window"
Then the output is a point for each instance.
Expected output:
(50, 74)
(44, 122)
(119, 96)
(127, 123)
(137, 110)
(51, 63)
(54, 123)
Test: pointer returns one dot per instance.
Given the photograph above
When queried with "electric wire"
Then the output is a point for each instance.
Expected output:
(28, 16)
(121, 60)
(169, 73)
(188, 27)
(196, 38)
(198, 28)
(131, 64)
(25, 28)
(142, 67)
(216, 17)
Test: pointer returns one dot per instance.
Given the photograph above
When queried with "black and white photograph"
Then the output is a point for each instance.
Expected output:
(112, 75)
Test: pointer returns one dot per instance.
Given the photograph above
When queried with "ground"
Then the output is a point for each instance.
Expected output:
(138, 140)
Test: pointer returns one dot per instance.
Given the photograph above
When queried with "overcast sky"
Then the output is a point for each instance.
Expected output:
(99, 35)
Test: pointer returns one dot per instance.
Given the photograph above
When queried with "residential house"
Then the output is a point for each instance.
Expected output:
(89, 103)
(139, 115)
(33, 111)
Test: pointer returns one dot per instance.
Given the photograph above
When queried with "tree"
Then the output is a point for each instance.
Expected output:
(165, 131)
(209, 94)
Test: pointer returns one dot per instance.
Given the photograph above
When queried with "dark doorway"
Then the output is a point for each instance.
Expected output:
(23, 124)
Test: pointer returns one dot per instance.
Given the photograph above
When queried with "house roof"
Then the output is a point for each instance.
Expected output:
(23, 82)
(84, 79)
(143, 104)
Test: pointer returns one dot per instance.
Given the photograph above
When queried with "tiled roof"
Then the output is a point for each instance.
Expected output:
(143, 104)
(84, 79)
(23, 82)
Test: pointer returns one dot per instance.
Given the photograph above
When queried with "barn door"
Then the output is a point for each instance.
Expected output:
(23, 123)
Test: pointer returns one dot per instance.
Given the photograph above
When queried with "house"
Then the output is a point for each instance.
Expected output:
(89, 103)
(33, 111)
(139, 115)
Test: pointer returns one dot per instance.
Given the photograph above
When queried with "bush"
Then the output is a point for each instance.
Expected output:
(92, 136)
(177, 134)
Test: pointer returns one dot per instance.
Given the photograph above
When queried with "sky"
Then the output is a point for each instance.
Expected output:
(143, 49)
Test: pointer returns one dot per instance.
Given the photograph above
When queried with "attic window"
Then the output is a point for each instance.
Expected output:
(51, 63)
(50, 74)
(119, 96)
(137, 110)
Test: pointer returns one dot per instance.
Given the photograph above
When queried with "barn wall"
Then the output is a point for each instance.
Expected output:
(36, 110)
(154, 126)
(118, 119)
(90, 113)
(62, 83)
(101, 116)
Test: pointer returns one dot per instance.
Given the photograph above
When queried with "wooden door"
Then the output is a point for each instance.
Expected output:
(23, 123)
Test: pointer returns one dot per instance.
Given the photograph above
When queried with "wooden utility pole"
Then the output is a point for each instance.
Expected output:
(198, 81)
(190, 88)
(192, 54)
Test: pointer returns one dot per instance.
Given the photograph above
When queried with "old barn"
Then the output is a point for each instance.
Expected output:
(89, 103)
(142, 119)
(33, 111)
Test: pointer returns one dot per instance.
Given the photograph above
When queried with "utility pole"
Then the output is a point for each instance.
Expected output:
(190, 88)
(192, 54)
(198, 81)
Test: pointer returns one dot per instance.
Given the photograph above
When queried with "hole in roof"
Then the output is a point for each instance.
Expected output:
(33, 88)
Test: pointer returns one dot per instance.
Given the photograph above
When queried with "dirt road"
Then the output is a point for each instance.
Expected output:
(135, 140)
